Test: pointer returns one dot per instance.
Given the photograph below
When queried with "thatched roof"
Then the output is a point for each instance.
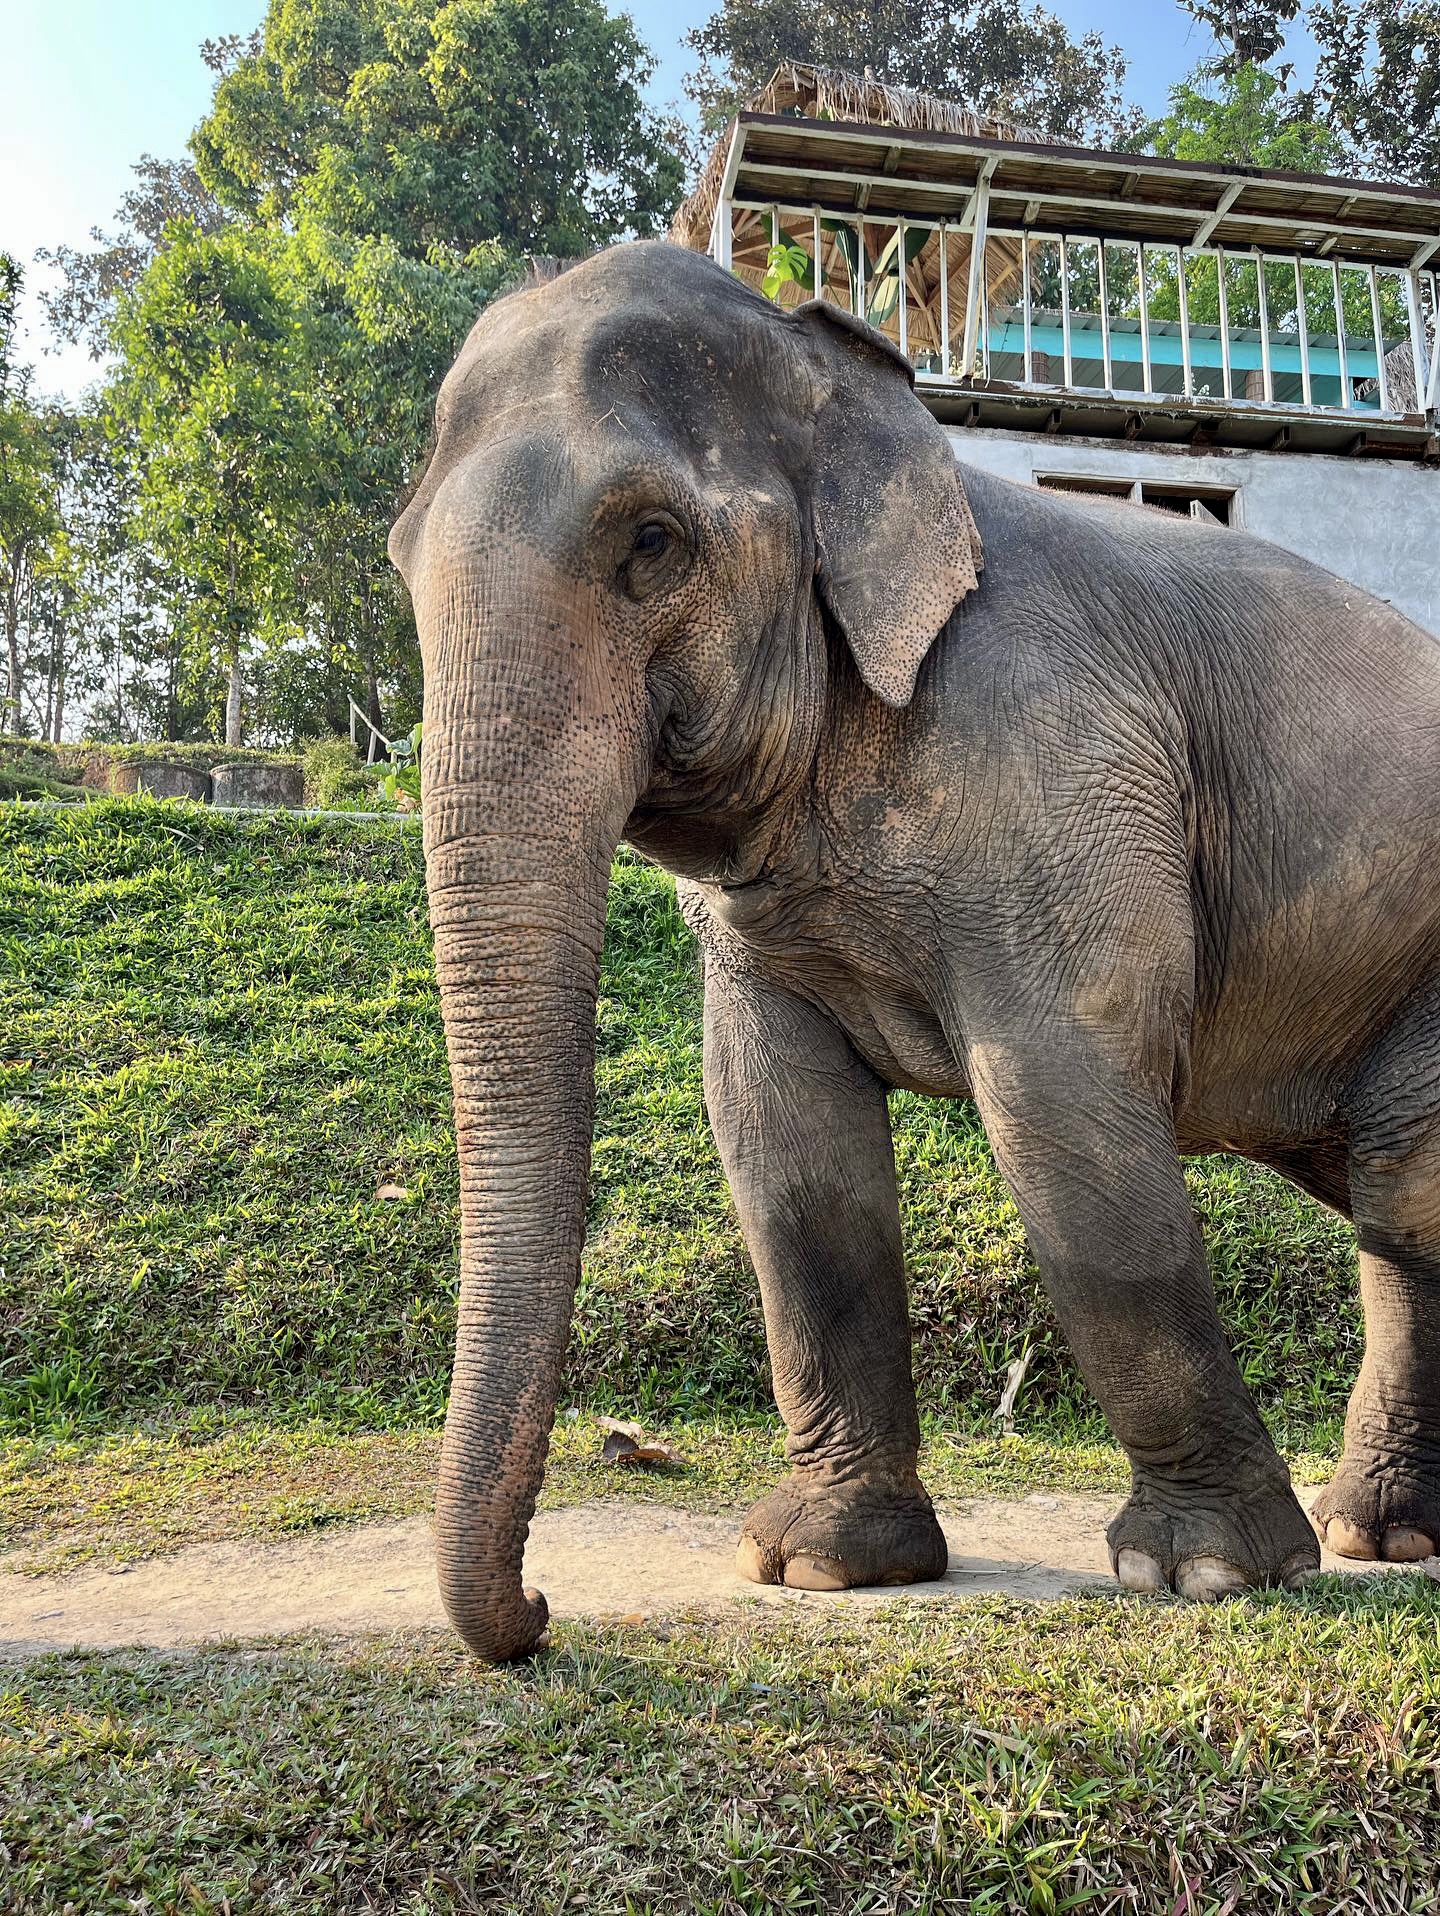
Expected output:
(827, 93)
(1399, 380)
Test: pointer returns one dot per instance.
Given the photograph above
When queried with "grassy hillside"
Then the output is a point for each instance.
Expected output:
(219, 1035)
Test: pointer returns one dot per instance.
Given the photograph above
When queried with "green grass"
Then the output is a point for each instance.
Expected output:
(220, 1036)
(18, 784)
(1100, 1754)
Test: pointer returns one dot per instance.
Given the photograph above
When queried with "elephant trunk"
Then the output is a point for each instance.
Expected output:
(522, 816)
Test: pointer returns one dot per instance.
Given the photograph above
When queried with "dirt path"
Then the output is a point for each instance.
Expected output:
(600, 1559)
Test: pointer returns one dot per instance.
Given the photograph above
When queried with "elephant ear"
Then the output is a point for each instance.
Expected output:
(897, 548)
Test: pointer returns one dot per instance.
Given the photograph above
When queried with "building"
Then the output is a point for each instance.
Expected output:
(1256, 347)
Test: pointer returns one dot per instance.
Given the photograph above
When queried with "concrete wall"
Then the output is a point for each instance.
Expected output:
(1371, 520)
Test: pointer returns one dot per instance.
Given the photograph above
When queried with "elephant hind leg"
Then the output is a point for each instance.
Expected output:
(1384, 1501)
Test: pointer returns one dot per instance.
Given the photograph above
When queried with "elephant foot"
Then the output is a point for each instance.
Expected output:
(835, 1536)
(1381, 1509)
(1205, 1543)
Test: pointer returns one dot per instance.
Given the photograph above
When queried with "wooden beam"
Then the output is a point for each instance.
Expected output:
(980, 204)
(720, 224)
(1207, 226)
(981, 186)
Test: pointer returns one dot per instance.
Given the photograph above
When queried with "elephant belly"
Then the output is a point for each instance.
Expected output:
(905, 1046)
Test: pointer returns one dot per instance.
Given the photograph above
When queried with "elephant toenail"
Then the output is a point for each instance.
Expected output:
(1404, 1544)
(1209, 1579)
(751, 1562)
(1347, 1539)
(815, 1573)
(1297, 1578)
(1140, 1573)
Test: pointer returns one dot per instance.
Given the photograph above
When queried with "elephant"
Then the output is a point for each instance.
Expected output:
(1125, 827)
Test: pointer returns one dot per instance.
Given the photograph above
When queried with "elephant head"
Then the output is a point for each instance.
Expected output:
(658, 514)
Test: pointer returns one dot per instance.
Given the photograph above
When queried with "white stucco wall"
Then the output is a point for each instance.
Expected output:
(1371, 520)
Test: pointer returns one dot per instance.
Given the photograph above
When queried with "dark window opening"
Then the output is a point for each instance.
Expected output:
(1074, 482)
(1212, 505)
(1206, 505)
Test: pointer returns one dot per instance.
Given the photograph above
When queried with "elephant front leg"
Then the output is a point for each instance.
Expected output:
(805, 1138)
(1089, 1153)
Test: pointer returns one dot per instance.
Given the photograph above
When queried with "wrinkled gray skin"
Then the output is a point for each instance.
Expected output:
(1135, 840)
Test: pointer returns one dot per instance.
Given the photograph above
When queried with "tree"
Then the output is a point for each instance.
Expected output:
(445, 125)
(80, 309)
(382, 330)
(1002, 57)
(1377, 80)
(1248, 32)
(1377, 72)
(229, 429)
(1243, 117)
(28, 522)
(368, 176)
(403, 157)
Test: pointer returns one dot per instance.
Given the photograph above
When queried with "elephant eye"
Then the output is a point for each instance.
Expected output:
(656, 557)
(651, 540)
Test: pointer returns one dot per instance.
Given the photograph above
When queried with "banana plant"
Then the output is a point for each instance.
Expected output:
(882, 275)
(402, 780)
(787, 264)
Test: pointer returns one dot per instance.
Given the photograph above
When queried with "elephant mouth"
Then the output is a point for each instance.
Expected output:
(731, 886)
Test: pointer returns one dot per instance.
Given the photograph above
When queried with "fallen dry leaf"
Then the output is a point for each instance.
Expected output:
(628, 1444)
(393, 1191)
(1014, 1378)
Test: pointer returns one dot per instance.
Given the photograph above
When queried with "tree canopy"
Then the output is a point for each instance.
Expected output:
(444, 124)
(1243, 117)
(1376, 84)
(1018, 62)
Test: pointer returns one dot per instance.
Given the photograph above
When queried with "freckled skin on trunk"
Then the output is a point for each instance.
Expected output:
(1125, 827)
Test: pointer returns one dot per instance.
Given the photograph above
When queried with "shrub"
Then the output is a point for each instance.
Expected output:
(336, 777)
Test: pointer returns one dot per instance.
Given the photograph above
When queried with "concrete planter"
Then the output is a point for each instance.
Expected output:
(161, 780)
(265, 787)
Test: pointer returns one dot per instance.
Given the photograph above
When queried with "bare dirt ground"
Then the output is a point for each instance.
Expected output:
(592, 1560)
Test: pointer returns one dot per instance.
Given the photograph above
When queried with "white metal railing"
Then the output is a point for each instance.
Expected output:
(375, 735)
(1159, 319)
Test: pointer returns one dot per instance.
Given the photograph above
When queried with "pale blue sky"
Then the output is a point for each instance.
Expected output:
(89, 85)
